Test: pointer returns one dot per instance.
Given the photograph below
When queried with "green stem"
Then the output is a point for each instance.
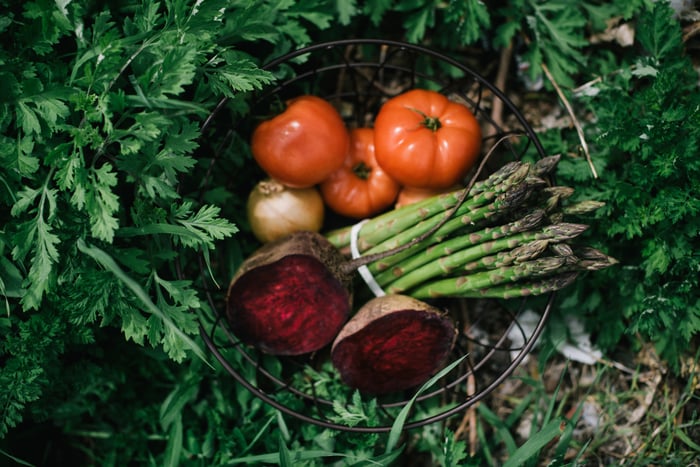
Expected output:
(382, 227)
(429, 122)
(397, 265)
(460, 286)
(448, 263)
(467, 217)
(521, 288)
(362, 171)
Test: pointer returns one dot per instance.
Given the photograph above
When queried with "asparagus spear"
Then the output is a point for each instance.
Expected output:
(499, 176)
(563, 249)
(395, 265)
(545, 165)
(488, 239)
(524, 252)
(384, 226)
(389, 224)
(446, 264)
(459, 286)
(523, 288)
(462, 218)
(514, 280)
(582, 207)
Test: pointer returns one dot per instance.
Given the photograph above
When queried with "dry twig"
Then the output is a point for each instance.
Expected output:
(500, 83)
(691, 31)
(574, 120)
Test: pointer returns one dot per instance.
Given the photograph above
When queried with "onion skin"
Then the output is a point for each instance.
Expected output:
(275, 210)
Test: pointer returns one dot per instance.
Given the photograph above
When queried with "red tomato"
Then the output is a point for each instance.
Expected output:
(360, 188)
(304, 144)
(424, 140)
(410, 195)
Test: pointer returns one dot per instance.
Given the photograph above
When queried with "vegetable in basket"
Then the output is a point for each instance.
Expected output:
(276, 210)
(360, 188)
(504, 236)
(425, 140)
(302, 145)
(504, 239)
(291, 297)
(393, 343)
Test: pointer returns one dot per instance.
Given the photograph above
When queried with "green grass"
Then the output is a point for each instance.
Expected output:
(558, 412)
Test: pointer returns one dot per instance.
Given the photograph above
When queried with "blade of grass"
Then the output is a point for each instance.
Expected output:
(107, 262)
(274, 458)
(554, 403)
(501, 428)
(383, 460)
(259, 434)
(15, 459)
(400, 421)
(207, 262)
(568, 433)
(284, 430)
(683, 436)
(485, 444)
(171, 408)
(173, 450)
(579, 455)
(525, 403)
(285, 458)
(535, 443)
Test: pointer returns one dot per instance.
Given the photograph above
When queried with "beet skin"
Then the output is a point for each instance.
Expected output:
(289, 297)
(393, 343)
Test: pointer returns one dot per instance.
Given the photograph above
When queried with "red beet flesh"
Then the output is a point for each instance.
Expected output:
(286, 300)
(393, 350)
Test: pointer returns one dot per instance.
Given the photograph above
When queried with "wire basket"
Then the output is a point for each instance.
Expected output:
(357, 76)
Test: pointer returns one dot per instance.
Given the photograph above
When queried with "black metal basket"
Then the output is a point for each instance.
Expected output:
(358, 76)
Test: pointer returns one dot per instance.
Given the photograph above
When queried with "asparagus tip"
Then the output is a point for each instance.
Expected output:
(565, 230)
(546, 164)
(583, 207)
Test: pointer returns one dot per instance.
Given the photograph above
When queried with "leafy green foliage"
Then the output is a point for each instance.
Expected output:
(100, 116)
(649, 175)
(460, 23)
(109, 218)
(556, 32)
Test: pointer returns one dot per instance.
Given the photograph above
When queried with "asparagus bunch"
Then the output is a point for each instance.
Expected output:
(508, 238)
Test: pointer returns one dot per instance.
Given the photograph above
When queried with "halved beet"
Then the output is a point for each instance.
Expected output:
(393, 343)
(291, 296)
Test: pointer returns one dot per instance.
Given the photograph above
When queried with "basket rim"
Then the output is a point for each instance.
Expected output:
(523, 351)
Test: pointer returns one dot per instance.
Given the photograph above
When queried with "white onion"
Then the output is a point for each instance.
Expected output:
(276, 210)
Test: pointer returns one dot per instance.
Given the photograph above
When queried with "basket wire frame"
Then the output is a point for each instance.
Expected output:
(358, 75)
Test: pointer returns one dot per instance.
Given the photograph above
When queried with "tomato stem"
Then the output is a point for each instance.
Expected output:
(362, 170)
(431, 123)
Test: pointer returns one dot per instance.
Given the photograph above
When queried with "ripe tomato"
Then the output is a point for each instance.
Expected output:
(410, 195)
(424, 140)
(360, 188)
(301, 146)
